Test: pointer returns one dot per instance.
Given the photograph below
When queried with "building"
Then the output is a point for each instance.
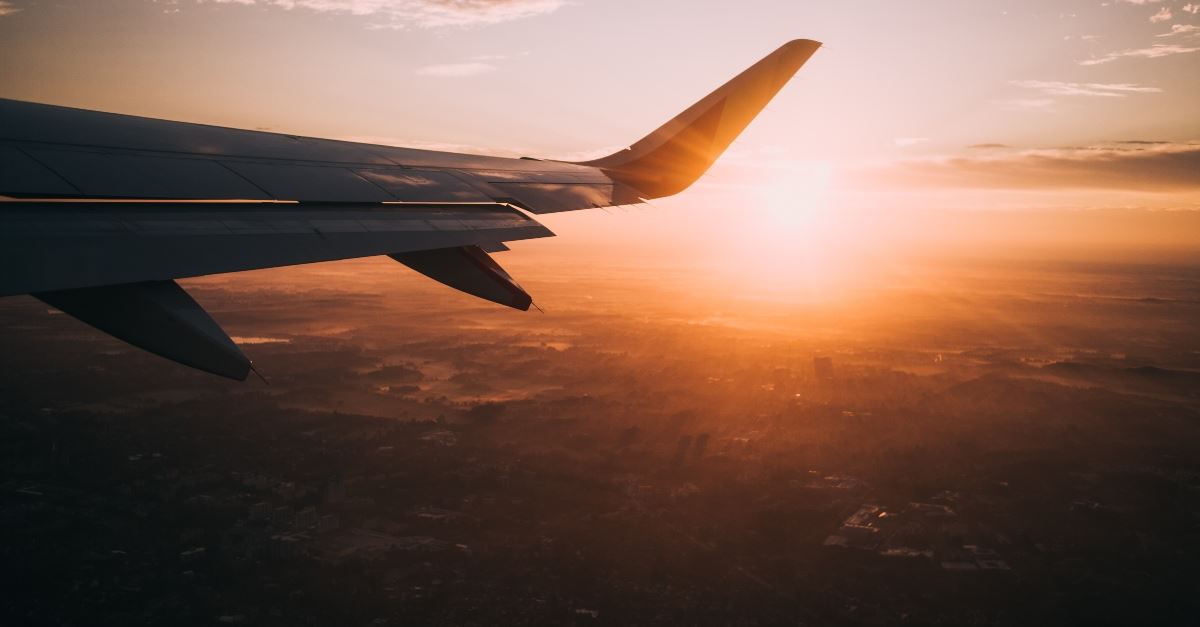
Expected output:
(286, 546)
(823, 368)
(306, 518)
(260, 511)
(328, 522)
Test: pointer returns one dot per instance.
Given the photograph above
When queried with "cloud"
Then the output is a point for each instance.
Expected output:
(456, 70)
(1153, 52)
(1140, 2)
(905, 142)
(419, 13)
(988, 146)
(1181, 29)
(1191, 8)
(1103, 90)
(1135, 165)
(7, 8)
(1029, 104)
(494, 57)
(1163, 15)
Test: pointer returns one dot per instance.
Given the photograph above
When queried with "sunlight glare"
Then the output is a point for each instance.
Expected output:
(790, 247)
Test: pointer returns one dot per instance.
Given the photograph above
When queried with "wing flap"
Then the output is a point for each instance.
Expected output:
(57, 246)
(556, 197)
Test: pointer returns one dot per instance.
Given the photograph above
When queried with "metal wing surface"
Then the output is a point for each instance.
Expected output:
(101, 212)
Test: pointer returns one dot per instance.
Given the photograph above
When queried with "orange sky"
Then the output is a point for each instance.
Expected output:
(1077, 119)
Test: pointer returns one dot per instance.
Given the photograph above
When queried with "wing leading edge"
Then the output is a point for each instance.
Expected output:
(104, 210)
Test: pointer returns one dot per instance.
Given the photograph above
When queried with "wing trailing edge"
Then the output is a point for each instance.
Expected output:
(50, 246)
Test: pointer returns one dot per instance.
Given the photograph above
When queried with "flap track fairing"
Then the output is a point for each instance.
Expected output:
(468, 269)
(157, 316)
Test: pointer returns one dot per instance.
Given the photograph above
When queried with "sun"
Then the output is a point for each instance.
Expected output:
(796, 195)
(788, 242)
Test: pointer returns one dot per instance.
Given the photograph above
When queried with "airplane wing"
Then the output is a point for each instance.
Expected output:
(104, 211)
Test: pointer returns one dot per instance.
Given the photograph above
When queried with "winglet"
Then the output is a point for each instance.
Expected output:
(671, 158)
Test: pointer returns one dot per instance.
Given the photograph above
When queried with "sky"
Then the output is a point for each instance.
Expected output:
(911, 112)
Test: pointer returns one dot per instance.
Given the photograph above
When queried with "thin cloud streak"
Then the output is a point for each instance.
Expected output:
(1103, 90)
(1029, 104)
(455, 70)
(905, 142)
(7, 8)
(401, 14)
(1181, 29)
(1153, 52)
(1133, 166)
